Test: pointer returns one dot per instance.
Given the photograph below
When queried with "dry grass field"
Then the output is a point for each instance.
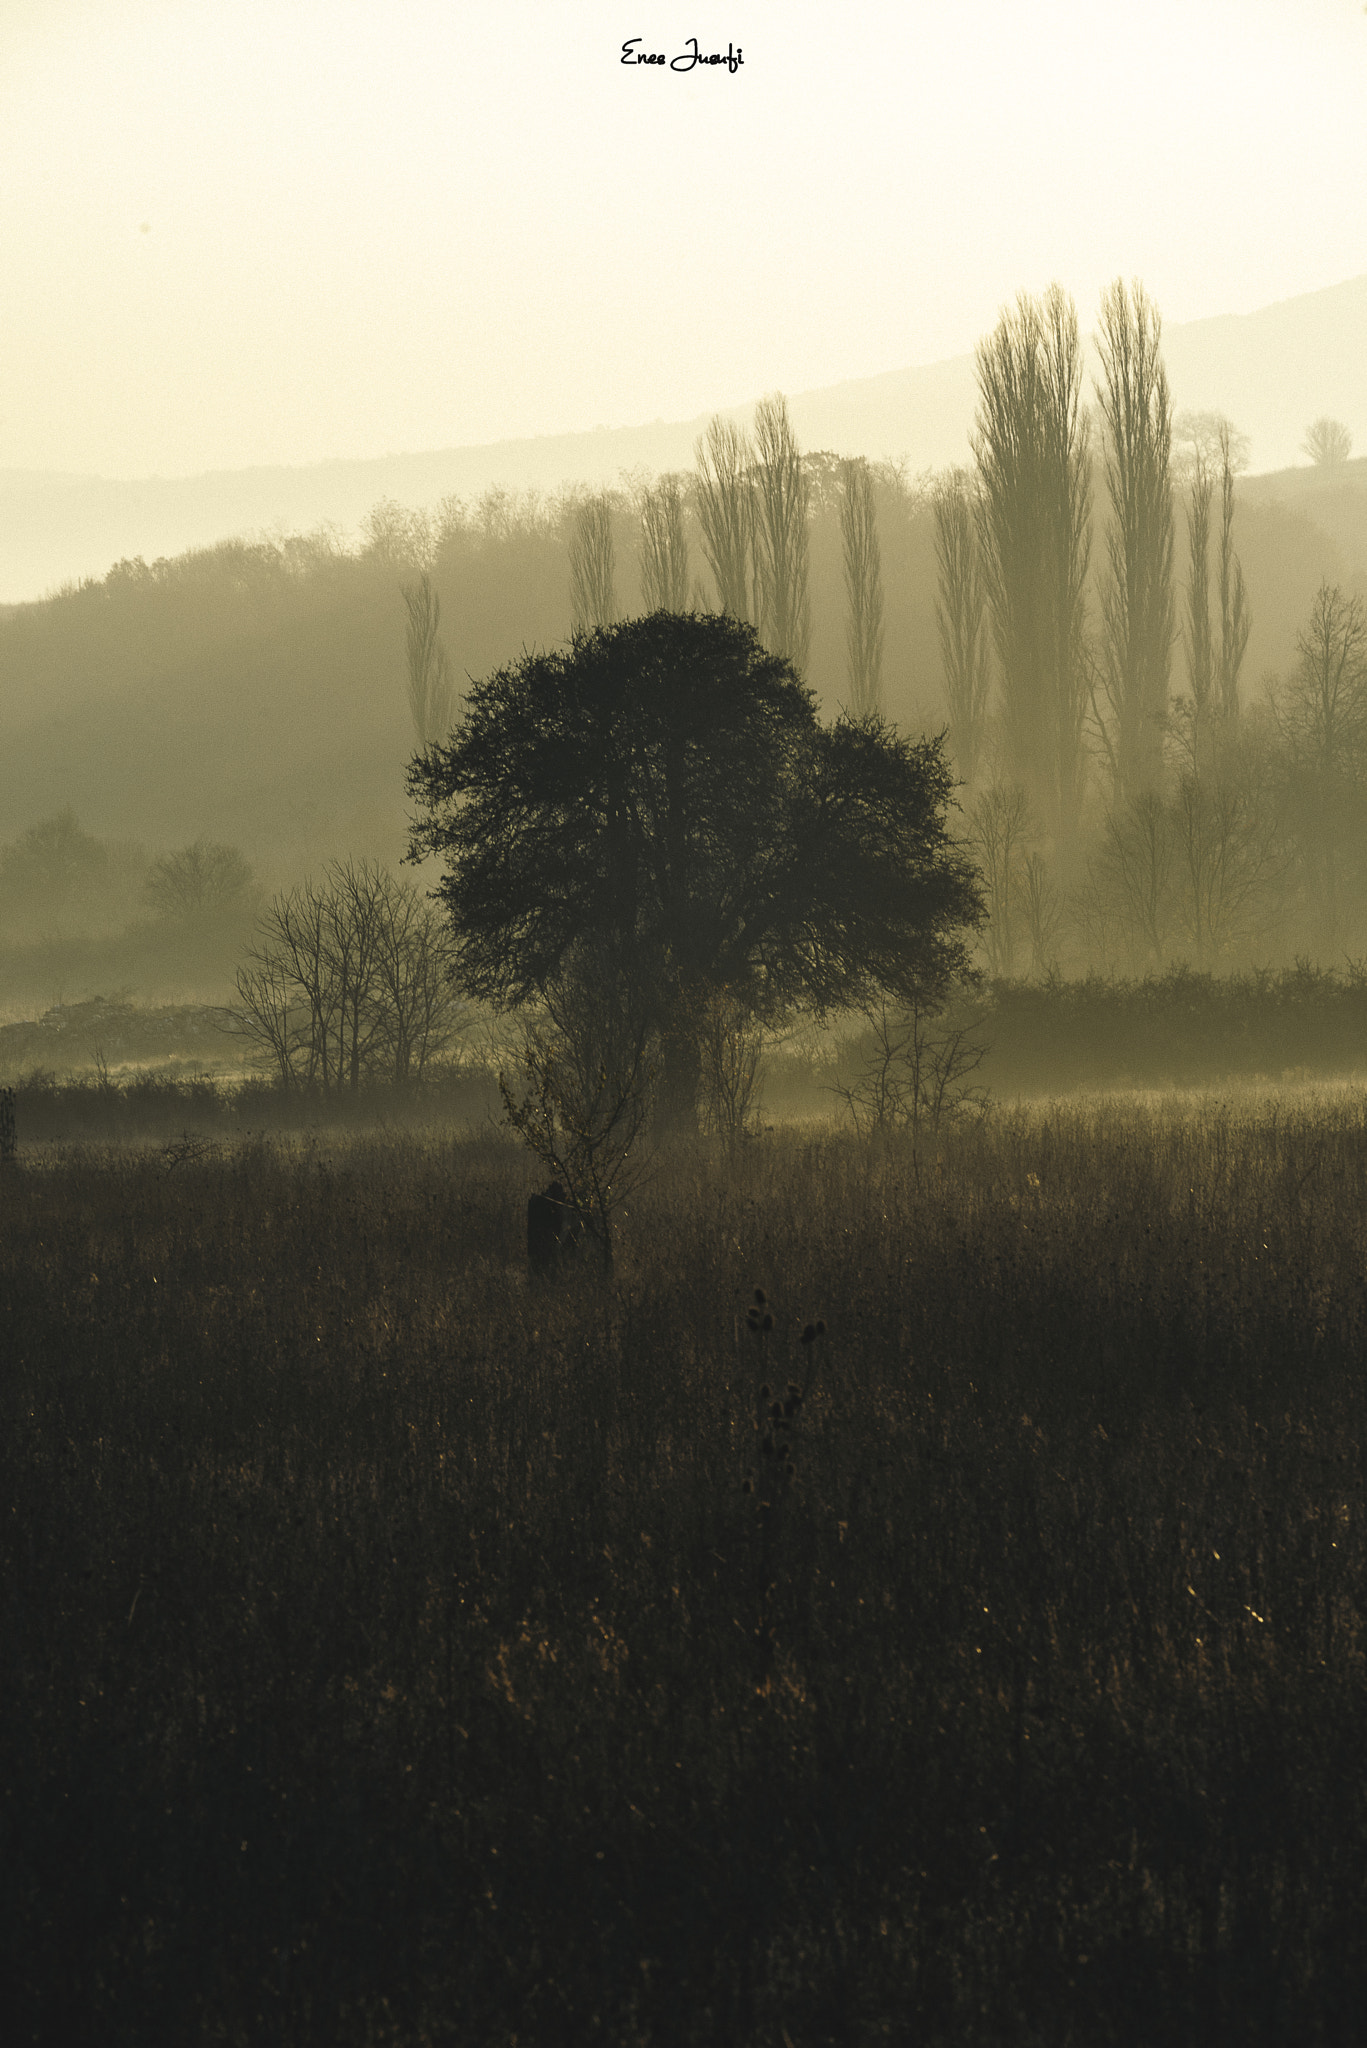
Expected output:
(397, 1651)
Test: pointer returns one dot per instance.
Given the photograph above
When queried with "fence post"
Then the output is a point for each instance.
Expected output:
(9, 1137)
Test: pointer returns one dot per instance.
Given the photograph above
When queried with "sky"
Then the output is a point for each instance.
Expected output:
(241, 232)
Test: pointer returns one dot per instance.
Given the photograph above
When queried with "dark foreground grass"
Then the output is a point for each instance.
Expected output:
(392, 1653)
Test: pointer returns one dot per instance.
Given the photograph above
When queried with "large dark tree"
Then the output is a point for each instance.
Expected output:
(663, 787)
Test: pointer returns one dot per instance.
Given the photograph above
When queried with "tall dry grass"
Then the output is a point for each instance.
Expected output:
(395, 1653)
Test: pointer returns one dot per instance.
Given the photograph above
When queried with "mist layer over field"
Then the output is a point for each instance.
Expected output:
(253, 697)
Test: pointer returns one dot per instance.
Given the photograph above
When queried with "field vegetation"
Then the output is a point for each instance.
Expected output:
(962, 1643)
(856, 1558)
(107, 1071)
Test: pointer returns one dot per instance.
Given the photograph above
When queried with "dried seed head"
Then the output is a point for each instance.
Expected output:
(765, 1392)
(752, 1318)
(761, 1298)
(820, 1327)
(808, 1332)
(747, 1486)
(767, 1324)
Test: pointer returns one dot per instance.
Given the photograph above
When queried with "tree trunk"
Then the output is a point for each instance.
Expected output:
(680, 1078)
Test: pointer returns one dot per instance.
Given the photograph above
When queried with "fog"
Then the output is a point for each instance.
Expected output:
(253, 232)
(256, 250)
(1271, 370)
(254, 696)
(683, 1003)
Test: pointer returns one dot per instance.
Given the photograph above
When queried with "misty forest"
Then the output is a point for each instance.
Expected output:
(683, 1251)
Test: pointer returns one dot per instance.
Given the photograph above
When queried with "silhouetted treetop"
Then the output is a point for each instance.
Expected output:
(664, 785)
(1328, 442)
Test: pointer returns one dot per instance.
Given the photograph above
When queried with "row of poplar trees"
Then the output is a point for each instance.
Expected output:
(1029, 678)
(751, 496)
(1014, 538)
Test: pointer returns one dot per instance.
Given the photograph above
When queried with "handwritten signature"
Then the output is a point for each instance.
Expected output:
(687, 59)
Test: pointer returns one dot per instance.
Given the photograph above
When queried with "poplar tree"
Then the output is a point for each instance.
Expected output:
(1031, 445)
(1235, 622)
(960, 616)
(431, 695)
(592, 564)
(726, 514)
(1213, 664)
(664, 547)
(1137, 606)
(781, 539)
(863, 567)
(1199, 649)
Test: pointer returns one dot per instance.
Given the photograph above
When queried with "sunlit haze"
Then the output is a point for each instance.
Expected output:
(237, 233)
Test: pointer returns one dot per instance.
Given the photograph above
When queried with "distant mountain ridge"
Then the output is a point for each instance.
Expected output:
(1272, 371)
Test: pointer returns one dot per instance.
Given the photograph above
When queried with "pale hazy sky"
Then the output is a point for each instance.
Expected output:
(261, 231)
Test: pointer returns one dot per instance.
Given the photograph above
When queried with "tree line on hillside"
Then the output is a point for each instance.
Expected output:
(1073, 608)
(57, 877)
(1130, 800)
(792, 542)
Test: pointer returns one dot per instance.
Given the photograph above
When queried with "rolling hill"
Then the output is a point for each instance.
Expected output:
(1272, 371)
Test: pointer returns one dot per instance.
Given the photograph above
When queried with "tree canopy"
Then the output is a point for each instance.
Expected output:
(664, 786)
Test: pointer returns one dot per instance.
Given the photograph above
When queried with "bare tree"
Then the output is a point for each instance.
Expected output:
(1202, 438)
(584, 1095)
(1321, 717)
(1031, 445)
(348, 979)
(1001, 828)
(286, 997)
(396, 536)
(1327, 443)
(1322, 714)
(959, 614)
(862, 561)
(1138, 623)
(268, 1015)
(1134, 873)
(1230, 853)
(418, 1008)
(198, 881)
(431, 696)
(664, 547)
(353, 909)
(592, 564)
(916, 1063)
(1041, 911)
(781, 533)
(726, 514)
